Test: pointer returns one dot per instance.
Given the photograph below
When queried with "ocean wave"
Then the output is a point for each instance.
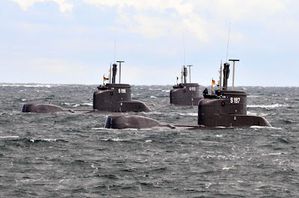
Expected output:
(265, 127)
(288, 121)
(153, 113)
(272, 106)
(228, 168)
(114, 140)
(98, 128)
(256, 114)
(74, 105)
(89, 104)
(272, 154)
(28, 85)
(34, 140)
(189, 114)
(9, 137)
(253, 96)
(47, 140)
(155, 89)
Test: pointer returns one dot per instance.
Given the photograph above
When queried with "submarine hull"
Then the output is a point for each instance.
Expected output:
(41, 108)
(133, 121)
(233, 121)
(227, 110)
(185, 94)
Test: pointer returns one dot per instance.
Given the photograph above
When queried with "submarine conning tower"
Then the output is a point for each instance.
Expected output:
(227, 108)
(185, 94)
(116, 97)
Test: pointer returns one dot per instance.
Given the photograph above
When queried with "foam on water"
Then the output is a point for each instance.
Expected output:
(28, 85)
(272, 106)
(265, 127)
(9, 137)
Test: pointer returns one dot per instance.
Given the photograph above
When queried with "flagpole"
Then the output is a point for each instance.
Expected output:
(212, 91)
(220, 83)
(110, 75)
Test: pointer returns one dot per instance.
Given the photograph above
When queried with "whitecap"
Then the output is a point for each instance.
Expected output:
(253, 96)
(113, 140)
(272, 106)
(153, 113)
(227, 168)
(86, 104)
(271, 154)
(207, 185)
(221, 127)
(153, 97)
(74, 105)
(67, 104)
(265, 127)
(45, 140)
(9, 137)
(189, 114)
(99, 128)
(155, 89)
(28, 85)
(49, 140)
(256, 114)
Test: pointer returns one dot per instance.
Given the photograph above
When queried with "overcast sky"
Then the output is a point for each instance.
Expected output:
(75, 41)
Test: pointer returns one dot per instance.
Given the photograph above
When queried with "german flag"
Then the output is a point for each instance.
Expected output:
(213, 82)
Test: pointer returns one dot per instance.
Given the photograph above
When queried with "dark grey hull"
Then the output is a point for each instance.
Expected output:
(116, 98)
(131, 121)
(227, 110)
(185, 94)
(233, 121)
(41, 108)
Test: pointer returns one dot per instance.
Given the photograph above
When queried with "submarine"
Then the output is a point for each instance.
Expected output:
(116, 97)
(226, 108)
(185, 94)
(222, 108)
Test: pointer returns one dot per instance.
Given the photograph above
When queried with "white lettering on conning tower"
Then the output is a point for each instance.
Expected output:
(192, 88)
(122, 91)
(235, 100)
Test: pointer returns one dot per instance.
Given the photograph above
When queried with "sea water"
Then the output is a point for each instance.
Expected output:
(71, 154)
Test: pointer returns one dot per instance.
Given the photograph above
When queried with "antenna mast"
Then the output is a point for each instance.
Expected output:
(120, 62)
(233, 81)
(114, 50)
(189, 72)
(184, 44)
(228, 41)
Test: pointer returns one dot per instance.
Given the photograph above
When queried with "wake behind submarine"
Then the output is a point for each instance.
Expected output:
(115, 97)
(227, 108)
(185, 94)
